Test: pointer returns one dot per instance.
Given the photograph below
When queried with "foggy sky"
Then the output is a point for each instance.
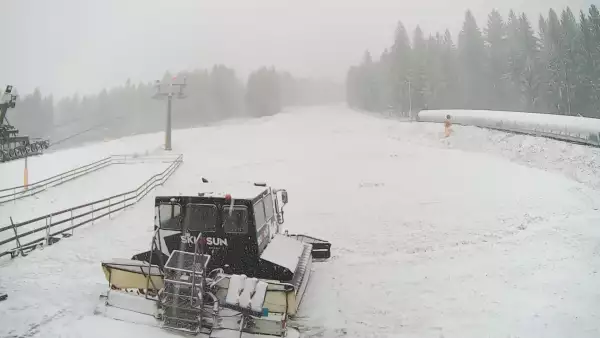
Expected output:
(68, 46)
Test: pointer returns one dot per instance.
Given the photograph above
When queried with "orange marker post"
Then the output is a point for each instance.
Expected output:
(447, 126)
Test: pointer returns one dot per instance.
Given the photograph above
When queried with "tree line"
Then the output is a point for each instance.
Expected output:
(507, 65)
(212, 94)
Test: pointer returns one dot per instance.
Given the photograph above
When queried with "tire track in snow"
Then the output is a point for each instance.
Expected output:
(35, 328)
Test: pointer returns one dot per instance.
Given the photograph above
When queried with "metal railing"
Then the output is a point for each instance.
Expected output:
(591, 139)
(44, 230)
(543, 130)
(15, 193)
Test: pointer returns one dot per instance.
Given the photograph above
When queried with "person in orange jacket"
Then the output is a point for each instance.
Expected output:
(447, 126)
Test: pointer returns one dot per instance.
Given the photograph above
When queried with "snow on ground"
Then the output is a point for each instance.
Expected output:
(577, 162)
(431, 237)
(82, 190)
(56, 162)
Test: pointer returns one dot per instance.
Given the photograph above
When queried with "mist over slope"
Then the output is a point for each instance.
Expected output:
(211, 95)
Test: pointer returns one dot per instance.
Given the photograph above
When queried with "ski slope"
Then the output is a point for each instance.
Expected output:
(482, 234)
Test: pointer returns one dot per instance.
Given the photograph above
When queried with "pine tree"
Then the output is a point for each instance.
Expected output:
(472, 64)
(450, 88)
(368, 90)
(226, 91)
(594, 54)
(544, 42)
(263, 93)
(529, 65)
(585, 67)
(554, 65)
(385, 78)
(568, 58)
(400, 56)
(433, 72)
(496, 37)
(418, 68)
(508, 67)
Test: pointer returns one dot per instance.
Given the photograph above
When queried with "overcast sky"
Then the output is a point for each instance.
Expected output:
(68, 46)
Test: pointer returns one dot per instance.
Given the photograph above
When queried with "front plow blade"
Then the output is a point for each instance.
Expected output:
(321, 249)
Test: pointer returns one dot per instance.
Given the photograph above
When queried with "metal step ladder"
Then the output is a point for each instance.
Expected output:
(182, 297)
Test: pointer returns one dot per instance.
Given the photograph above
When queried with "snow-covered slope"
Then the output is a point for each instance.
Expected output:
(461, 237)
(55, 162)
(577, 162)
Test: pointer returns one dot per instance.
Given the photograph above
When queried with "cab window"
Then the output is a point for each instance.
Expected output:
(200, 217)
(169, 216)
(235, 219)
(259, 214)
(269, 212)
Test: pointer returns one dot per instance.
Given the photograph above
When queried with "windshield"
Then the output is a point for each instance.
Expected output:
(235, 220)
(200, 217)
